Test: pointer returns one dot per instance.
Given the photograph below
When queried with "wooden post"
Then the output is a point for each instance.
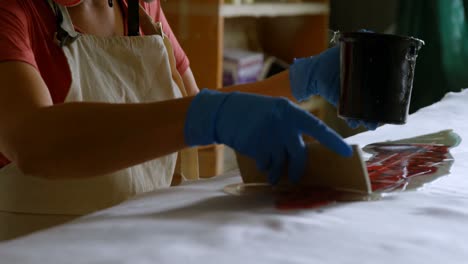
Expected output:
(199, 28)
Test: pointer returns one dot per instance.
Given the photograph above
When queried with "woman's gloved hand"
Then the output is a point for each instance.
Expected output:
(317, 75)
(267, 129)
(320, 75)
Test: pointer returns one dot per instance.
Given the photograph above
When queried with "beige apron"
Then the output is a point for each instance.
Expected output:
(115, 70)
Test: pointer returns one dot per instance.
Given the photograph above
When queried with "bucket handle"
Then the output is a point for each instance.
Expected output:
(414, 49)
(334, 36)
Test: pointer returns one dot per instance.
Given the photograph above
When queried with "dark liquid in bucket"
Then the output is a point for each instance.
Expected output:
(377, 73)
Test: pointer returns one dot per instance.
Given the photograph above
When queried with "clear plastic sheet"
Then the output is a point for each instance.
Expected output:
(394, 166)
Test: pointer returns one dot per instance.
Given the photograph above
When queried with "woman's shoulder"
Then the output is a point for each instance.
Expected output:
(24, 7)
(27, 29)
(24, 22)
(12, 5)
(26, 13)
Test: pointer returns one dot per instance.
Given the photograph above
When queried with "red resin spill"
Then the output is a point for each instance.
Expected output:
(392, 167)
(394, 164)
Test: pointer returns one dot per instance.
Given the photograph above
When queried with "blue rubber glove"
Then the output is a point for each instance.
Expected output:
(320, 75)
(267, 129)
(317, 75)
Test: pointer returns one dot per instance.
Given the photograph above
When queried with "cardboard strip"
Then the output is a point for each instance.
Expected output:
(324, 168)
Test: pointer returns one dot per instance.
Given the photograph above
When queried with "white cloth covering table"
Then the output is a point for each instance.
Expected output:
(198, 223)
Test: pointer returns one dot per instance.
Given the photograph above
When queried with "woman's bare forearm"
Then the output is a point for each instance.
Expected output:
(277, 85)
(88, 139)
(189, 81)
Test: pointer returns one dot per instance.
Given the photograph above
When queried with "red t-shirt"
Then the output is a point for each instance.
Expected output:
(27, 30)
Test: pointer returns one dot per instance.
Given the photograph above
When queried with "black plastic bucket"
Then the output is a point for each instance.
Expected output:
(377, 73)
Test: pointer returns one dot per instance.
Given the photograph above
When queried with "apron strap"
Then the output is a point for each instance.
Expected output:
(133, 19)
(66, 33)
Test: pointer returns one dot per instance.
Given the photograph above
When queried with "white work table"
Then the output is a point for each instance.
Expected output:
(198, 223)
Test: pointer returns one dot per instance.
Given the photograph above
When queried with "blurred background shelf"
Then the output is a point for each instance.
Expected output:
(205, 28)
(273, 9)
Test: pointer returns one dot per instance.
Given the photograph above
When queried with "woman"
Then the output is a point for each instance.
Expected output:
(90, 116)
